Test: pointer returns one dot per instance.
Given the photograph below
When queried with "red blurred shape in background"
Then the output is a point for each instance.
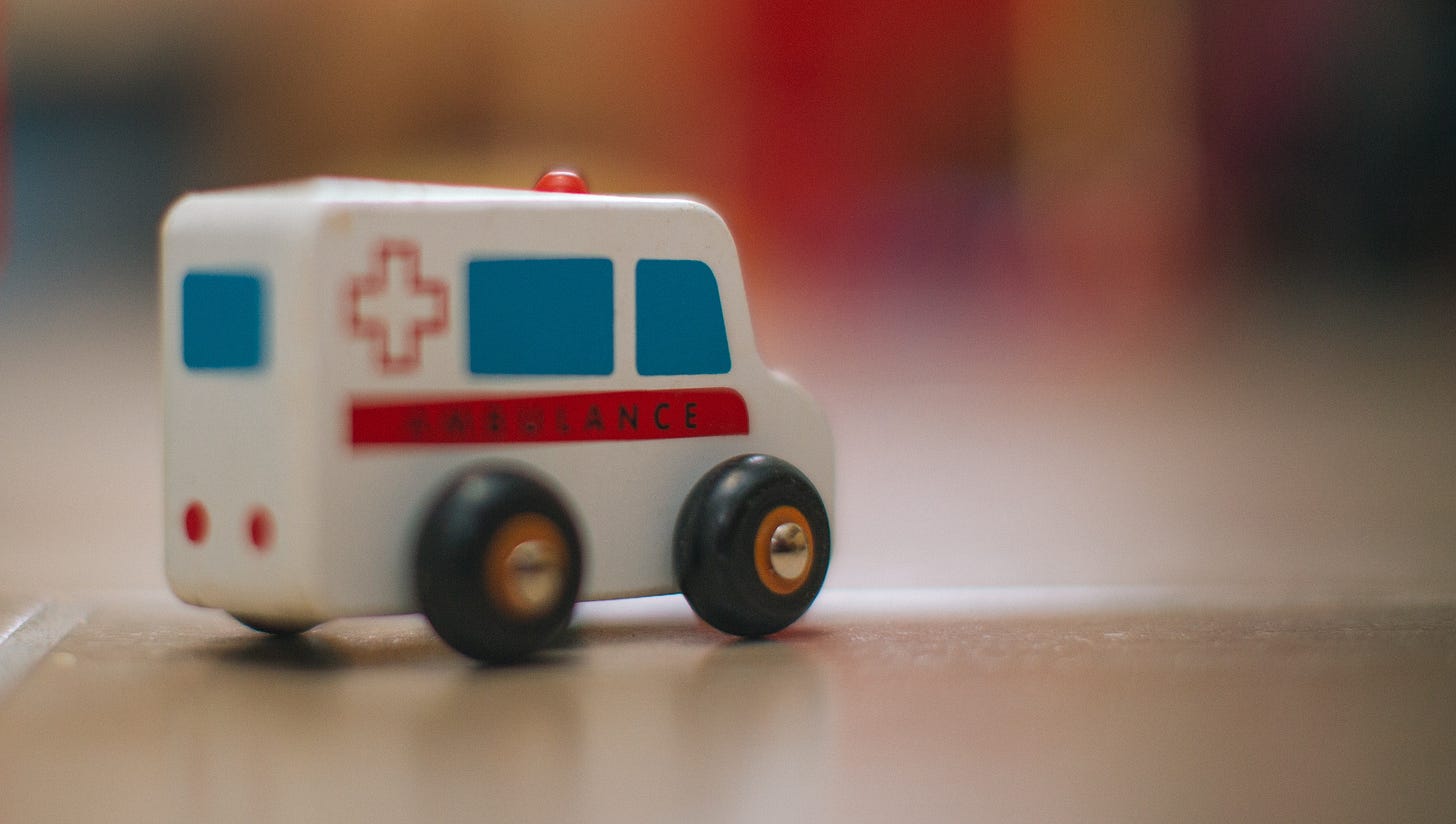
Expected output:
(870, 97)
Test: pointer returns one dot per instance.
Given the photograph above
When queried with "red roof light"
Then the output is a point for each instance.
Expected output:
(562, 180)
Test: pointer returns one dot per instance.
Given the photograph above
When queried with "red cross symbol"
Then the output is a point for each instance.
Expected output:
(395, 306)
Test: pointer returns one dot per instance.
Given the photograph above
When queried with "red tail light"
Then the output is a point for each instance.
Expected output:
(260, 528)
(194, 522)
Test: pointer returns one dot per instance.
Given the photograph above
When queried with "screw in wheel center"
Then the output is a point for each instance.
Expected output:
(535, 573)
(788, 550)
(526, 566)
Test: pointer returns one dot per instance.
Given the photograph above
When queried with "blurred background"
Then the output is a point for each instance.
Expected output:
(1144, 292)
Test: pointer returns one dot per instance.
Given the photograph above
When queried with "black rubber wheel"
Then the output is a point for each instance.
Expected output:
(498, 564)
(273, 627)
(727, 545)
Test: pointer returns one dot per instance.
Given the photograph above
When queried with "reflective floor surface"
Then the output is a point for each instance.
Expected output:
(949, 705)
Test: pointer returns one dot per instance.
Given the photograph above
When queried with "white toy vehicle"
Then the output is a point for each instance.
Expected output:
(479, 404)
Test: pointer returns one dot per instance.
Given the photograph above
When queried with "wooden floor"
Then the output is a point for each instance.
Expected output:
(949, 705)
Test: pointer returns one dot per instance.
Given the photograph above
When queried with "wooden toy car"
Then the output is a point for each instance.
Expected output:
(479, 404)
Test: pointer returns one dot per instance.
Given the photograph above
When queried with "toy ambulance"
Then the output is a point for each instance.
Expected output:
(479, 404)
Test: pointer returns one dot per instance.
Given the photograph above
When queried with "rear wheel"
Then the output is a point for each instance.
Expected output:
(498, 565)
(751, 547)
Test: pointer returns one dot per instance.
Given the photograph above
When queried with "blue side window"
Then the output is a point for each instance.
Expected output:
(224, 320)
(540, 316)
(679, 320)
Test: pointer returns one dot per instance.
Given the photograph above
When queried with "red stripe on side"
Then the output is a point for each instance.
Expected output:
(596, 416)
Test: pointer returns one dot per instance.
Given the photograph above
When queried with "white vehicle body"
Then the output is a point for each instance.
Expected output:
(299, 462)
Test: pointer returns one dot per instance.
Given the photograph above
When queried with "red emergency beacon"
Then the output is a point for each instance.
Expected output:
(562, 180)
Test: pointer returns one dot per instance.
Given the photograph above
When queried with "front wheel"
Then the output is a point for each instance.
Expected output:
(751, 546)
(498, 565)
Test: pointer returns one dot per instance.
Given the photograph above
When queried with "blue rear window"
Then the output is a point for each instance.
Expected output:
(540, 316)
(679, 320)
(224, 320)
